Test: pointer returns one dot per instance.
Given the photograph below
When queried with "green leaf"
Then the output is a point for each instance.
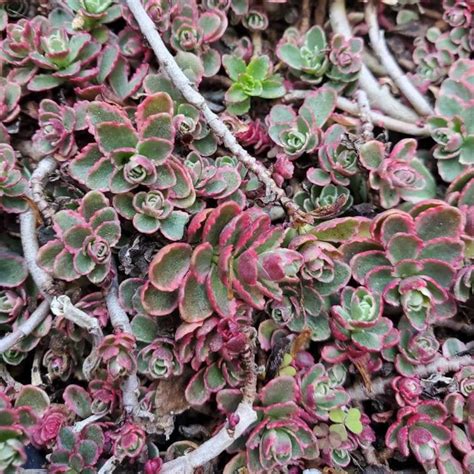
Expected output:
(34, 397)
(290, 54)
(194, 304)
(337, 415)
(144, 328)
(77, 400)
(13, 270)
(258, 67)
(157, 302)
(235, 93)
(112, 136)
(353, 422)
(272, 88)
(44, 82)
(169, 266)
(233, 66)
(173, 226)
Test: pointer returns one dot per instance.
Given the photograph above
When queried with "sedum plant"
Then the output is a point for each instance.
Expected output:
(416, 281)
(254, 79)
(84, 241)
(13, 185)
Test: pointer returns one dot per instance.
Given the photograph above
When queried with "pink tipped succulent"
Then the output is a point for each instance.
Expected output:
(84, 242)
(238, 257)
(129, 441)
(116, 352)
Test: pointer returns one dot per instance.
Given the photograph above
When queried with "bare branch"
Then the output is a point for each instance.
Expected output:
(379, 98)
(377, 118)
(364, 109)
(379, 45)
(26, 328)
(29, 241)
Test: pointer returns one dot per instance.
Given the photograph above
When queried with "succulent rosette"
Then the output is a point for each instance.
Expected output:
(346, 59)
(84, 242)
(421, 431)
(236, 255)
(125, 157)
(359, 319)
(254, 79)
(129, 441)
(280, 436)
(298, 133)
(307, 56)
(57, 126)
(13, 185)
(407, 390)
(453, 127)
(116, 351)
(10, 93)
(337, 159)
(159, 359)
(418, 282)
(321, 393)
(66, 57)
(398, 176)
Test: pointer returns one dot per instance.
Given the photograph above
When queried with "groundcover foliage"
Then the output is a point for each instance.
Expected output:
(257, 232)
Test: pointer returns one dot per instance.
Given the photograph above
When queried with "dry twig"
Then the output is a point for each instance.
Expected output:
(379, 98)
(379, 45)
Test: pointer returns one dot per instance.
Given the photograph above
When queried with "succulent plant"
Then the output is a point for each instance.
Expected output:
(417, 281)
(13, 185)
(346, 59)
(307, 56)
(300, 133)
(359, 320)
(57, 126)
(420, 430)
(280, 436)
(254, 79)
(452, 128)
(65, 57)
(159, 359)
(129, 441)
(22, 38)
(77, 452)
(91, 15)
(407, 390)
(324, 202)
(84, 241)
(337, 159)
(116, 351)
(14, 426)
(398, 176)
(321, 393)
(130, 158)
(240, 257)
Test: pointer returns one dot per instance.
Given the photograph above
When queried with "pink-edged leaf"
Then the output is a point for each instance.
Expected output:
(279, 390)
(157, 302)
(194, 304)
(218, 295)
(154, 104)
(196, 393)
(77, 400)
(218, 219)
(170, 265)
(439, 222)
(201, 261)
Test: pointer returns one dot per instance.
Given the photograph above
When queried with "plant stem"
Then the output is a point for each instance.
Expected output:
(80, 425)
(440, 366)
(320, 12)
(379, 45)
(44, 169)
(305, 16)
(379, 98)
(457, 326)
(181, 82)
(214, 446)
(62, 306)
(377, 118)
(120, 322)
(29, 240)
(26, 328)
(367, 128)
